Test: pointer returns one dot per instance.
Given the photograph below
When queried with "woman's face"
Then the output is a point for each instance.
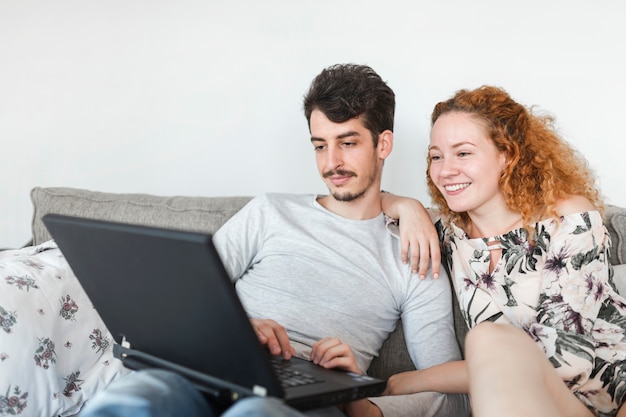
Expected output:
(465, 164)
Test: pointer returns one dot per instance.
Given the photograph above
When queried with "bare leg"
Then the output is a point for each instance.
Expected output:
(509, 375)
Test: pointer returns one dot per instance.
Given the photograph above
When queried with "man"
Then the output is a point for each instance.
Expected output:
(321, 277)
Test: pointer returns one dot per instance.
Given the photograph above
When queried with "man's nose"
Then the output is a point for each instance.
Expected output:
(333, 158)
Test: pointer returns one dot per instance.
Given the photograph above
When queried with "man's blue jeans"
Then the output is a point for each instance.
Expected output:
(158, 393)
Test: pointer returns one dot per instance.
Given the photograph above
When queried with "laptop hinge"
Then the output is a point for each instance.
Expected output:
(216, 387)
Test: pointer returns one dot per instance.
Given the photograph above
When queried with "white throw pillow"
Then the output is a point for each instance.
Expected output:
(55, 351)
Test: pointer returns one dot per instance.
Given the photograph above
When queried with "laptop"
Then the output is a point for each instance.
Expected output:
(169, 303)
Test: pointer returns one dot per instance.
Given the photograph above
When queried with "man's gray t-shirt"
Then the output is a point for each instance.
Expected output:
(319, 274)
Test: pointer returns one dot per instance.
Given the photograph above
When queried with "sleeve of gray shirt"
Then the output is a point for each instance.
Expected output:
(238, 254)
(429, 334)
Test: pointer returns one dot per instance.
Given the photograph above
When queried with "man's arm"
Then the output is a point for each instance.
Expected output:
(238, 242)
(429, 333)
(240, 239)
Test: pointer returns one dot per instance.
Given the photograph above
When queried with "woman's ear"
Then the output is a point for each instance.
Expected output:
(504, 161)
(385, 144)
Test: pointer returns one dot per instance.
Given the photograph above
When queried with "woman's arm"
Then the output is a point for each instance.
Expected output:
(417, 233)
(448, 378)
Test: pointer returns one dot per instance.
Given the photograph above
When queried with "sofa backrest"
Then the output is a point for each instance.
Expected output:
(207, 214)
(202, 214)
(615, 221)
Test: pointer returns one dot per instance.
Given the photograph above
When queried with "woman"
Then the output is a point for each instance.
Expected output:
(522, 234)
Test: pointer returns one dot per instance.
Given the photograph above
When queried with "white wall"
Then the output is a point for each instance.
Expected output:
(203, 97)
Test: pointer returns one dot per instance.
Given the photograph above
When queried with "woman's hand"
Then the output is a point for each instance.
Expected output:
(418, 235)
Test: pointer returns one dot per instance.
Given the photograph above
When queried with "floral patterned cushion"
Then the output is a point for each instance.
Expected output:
(55, 351)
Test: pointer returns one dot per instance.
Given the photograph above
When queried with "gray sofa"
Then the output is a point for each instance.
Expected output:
(207, 214)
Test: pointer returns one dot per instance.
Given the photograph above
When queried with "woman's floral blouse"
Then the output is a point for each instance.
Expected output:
(558, 288)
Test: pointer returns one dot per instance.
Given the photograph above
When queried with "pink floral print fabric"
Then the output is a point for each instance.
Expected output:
(55, 351)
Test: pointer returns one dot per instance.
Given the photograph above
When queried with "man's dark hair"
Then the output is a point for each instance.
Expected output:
(345, 91)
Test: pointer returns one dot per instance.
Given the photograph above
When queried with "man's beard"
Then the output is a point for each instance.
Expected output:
(347, 197)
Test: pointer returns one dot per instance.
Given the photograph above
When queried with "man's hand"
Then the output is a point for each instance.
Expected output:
(274, 336)
(331, 352)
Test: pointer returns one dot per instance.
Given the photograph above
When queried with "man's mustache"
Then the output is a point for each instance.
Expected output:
(339, 172)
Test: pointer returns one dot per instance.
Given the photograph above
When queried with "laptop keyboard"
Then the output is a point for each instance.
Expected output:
(291, 377)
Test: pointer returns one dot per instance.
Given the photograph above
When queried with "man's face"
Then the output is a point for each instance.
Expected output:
(346, 158)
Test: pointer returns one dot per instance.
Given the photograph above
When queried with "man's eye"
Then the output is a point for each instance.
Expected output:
(318, 148)
(348, 144)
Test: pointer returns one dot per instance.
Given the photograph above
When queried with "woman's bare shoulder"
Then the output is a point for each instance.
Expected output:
(573, 204)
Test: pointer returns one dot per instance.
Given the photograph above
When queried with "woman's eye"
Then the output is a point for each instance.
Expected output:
(435, 157)
(464, 153)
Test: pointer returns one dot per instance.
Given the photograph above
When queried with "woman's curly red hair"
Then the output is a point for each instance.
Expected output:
(542, 168)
